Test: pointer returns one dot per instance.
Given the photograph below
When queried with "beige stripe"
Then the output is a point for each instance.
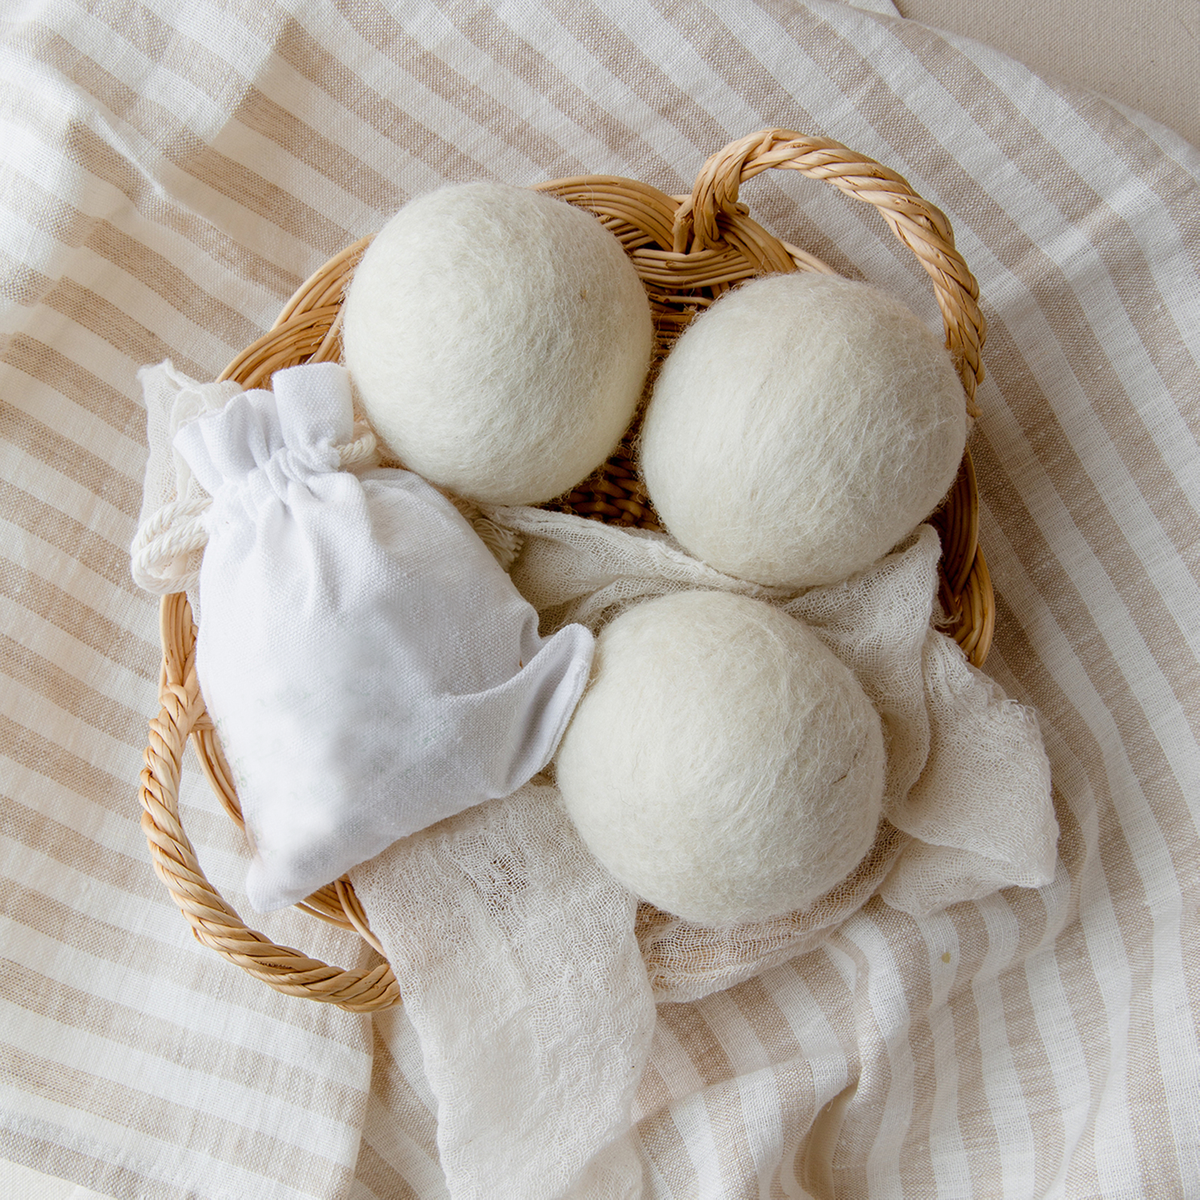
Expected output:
(84, 859)
(44, 757)
(767, 1021)
(1031, 1065)
(21, 284)
(95, 1171)
(127, 650)
(1053, 582)
(664, 1146)
(976, 1121)
(816, 974)
(391, 1088)
(1022, 142)
(175, 286)
(105, 164)
(378, 1178)
(73, 539)
(497, 43)
(789, 1090)
(1131, 904)
(653, 1094)
(183, 148)
(220, 1141)
(75, 698)
(48, 523)
(205, 977)
(773, 206)
(1083, 352)
(49, 366)
(398, 1155)
(539, 70)
(727, 1120)
(173, 51)
(876, 1078)
(643, 76)
(103, 318)
(1168, 179)
(695, 1037)
(1117, 247)
(316, 64)
(179, 1043)
(1090, 1027)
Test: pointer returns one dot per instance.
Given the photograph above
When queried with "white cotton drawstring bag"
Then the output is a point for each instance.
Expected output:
(368, 664)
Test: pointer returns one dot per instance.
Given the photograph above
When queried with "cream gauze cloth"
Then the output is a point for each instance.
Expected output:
(529, 974)
(368, 664)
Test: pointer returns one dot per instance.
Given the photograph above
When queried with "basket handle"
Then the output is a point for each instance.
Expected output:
(214, 923)
(921, 226)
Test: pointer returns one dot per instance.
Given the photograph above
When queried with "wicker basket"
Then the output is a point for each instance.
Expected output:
(687, 250)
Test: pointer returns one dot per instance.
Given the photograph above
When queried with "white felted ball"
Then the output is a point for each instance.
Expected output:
(800, 428)
(723, 763)
(499, 340)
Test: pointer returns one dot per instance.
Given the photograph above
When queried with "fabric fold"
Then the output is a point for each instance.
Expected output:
(516, 956)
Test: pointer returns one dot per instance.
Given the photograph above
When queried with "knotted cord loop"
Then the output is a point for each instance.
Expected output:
(163, 556)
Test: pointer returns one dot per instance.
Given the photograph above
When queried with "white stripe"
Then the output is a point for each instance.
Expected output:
(472, 138)
(31, 710)
(124, 609)
(145, 218)
(951, 1164)
(687, 1110)
(1002, 1084)
(270, 1034)
(302, 1125)
(119, 454)
(1128, 650)
(820, 1047)
(168, 1160)
(45, 482)
(893, 1023)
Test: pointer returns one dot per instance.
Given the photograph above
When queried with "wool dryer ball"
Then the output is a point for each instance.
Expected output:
(498, 340)
(800, 428)
(723, 763)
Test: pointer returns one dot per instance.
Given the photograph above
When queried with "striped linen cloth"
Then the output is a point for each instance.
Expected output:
(171, 172)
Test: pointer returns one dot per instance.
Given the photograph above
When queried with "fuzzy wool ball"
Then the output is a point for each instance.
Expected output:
(723, 763)
(498, 340)
(800, 428)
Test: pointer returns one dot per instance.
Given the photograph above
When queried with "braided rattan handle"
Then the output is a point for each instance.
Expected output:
(212, 920)
(306, 331)
(921, 226)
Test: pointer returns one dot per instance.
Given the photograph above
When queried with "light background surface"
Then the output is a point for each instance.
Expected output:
(1145, 58)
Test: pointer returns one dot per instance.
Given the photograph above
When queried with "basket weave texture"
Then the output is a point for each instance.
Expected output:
(687, 250)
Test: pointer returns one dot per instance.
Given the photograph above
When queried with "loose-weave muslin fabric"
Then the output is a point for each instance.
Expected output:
(517, 956)
(479, 912)
(172, 172)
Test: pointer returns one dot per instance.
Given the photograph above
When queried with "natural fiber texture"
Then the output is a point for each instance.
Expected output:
(498, 340)
(722, 764)
(686, 253)
(800, 428)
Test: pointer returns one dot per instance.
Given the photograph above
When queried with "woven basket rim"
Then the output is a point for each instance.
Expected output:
(682, 246)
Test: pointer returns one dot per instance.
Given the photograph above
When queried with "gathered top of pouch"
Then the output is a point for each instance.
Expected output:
(370, 667)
